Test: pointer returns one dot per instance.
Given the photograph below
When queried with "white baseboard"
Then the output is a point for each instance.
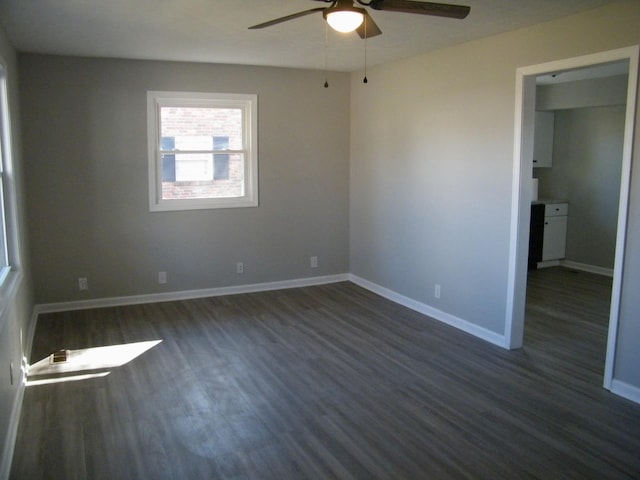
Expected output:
(625, 390)
(583, 267)
(480, 332)
(188, 294)
(549, 263)
(12, 432)
(459, 323)
(16, 409)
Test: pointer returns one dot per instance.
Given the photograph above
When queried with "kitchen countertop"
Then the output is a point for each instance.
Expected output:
(547, 201)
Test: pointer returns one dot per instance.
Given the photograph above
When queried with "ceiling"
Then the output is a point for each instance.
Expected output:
(216, 31)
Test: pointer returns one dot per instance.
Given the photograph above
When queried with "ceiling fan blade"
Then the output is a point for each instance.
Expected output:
(368, 28)
(424, 8)
(287, 18)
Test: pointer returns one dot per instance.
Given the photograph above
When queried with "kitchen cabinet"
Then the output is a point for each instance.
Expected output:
(555, 231)
(543, 139)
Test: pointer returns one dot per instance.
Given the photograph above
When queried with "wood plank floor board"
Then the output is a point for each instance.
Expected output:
(315, 461)
(332, 382)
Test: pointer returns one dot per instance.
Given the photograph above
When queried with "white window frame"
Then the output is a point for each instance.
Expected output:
(248, 103)
(10, 273)
(5, 265)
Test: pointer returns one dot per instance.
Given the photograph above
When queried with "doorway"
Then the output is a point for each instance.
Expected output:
(522, 191)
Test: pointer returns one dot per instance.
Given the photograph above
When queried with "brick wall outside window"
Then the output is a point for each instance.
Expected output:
(185, 124)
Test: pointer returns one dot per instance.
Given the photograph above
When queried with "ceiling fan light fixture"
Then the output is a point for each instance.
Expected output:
(344, 20)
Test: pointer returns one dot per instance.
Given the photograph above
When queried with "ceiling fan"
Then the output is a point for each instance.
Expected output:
(343, 16)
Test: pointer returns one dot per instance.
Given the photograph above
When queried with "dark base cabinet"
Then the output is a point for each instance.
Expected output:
(536, 235)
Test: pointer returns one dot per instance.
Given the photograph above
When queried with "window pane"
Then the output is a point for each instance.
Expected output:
(221, 166)
(194, 178)
(190, 126)
(194, 167)
(168, 160)
(201, 175)
(221, 160)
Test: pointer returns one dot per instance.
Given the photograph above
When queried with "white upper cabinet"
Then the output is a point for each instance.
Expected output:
(543, 139)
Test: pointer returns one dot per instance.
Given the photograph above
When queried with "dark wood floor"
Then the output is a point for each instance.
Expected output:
(332, 382)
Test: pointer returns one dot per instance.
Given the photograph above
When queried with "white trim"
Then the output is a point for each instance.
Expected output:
(584, 267)
(12, 433)
(625, 390)
(30, 336)
(521, 195)
(8, 290)
(248, 103)
(514, 321)
(425, 309)
(189, 294)
(623, 213)
(548, 264)
(12, 274)
(6, 456)
(428, 310)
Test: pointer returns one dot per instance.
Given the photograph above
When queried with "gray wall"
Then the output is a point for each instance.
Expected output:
(597, 92)
(16, 325)
(85, 137)
(587, 163)
(432, 166)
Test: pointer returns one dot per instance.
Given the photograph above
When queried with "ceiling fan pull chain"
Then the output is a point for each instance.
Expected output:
(366, 37)
(326, 55)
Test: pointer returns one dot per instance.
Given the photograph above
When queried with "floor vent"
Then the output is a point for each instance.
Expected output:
(61, 356)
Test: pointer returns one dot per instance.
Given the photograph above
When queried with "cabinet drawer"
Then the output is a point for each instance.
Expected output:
(556, 209)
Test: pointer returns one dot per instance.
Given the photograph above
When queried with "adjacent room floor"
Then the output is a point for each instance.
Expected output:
(326, 382)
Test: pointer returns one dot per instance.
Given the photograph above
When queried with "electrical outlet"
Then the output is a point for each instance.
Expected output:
(83, 283)
(239, 267)
(162, 277)
(313, 261)
(436, 291)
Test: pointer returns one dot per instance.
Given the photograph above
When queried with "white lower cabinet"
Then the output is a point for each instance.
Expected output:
(555, 231)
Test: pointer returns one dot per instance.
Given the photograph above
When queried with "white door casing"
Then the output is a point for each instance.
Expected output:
(521, 192)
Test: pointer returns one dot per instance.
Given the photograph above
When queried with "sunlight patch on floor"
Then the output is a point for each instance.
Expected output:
(69, 378)
(84, 359)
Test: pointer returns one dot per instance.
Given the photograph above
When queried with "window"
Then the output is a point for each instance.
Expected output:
(4, 253)
(8, 236)
(202, 150)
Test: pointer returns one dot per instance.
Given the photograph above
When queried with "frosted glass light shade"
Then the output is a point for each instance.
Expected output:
(345, 20)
